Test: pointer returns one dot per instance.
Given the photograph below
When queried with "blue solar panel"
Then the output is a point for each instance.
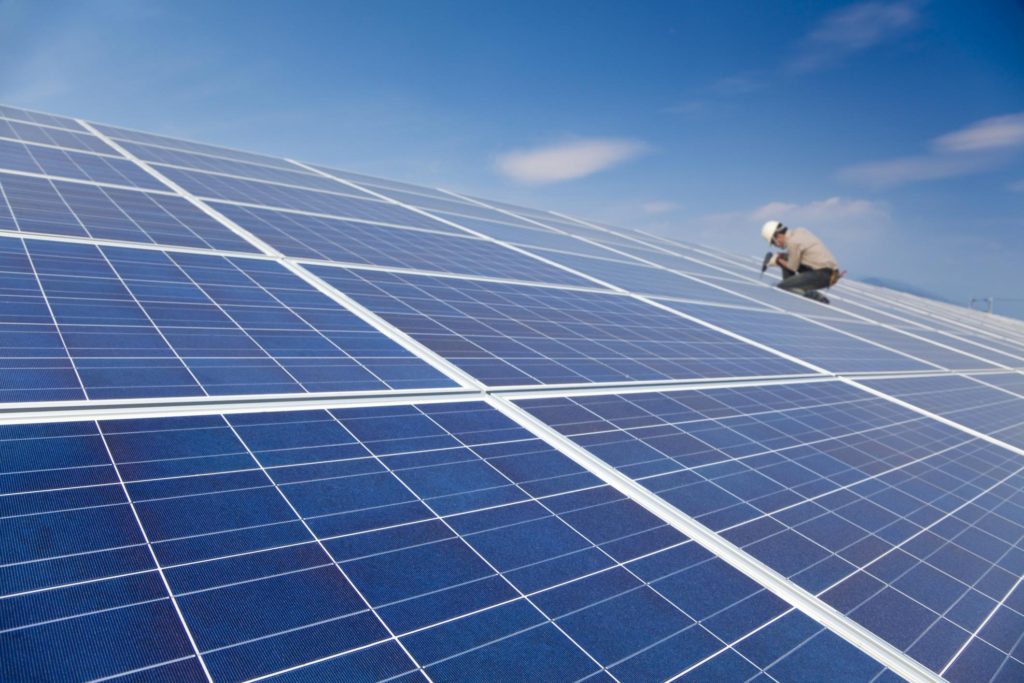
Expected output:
(534, 236)
(55, 207)
(245, 169)
(39, 117)
(255, 192)
(315, 237)
(358, 543)
(997, 412)
(919, 348)
(102, 322)
(27, 132)
(647, 280)
(399, 525)
(507, 334)
(909, 527)
(824, 347)
(123, 134)
(18, 156)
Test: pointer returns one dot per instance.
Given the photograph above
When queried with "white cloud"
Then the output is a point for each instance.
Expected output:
(834, 211)
(567, 161)
(1017, 186)
(659, 207)
(853, 29)
(998, 132)
(981, 146)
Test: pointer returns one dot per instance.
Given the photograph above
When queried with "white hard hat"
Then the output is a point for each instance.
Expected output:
(769, 229)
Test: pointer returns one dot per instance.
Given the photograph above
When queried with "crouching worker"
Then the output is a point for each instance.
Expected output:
(807, 264)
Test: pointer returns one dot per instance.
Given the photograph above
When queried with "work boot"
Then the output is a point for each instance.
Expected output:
(817, 296)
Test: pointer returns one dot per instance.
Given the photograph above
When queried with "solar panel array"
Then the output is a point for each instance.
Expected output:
(265, 420)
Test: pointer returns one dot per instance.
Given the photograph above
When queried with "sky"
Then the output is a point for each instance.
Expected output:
(892, 129)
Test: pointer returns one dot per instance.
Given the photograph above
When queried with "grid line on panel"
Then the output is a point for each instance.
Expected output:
(244, 234)
(430, 214)
(320, 543)
(935, 518)
(760, 573)
(155, 559)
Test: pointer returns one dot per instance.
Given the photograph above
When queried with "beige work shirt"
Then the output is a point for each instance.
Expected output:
(804, 248)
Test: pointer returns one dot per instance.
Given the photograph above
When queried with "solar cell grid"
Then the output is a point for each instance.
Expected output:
(919, 348)
(443, 540)
(462, 543)
(315, 237)
(102, 322)
(19, 156)
(993, 411)
(55, 207)
(203, 162)
(259, 193)
(197, 147)
(527, 236)
(39, 117)
(646, 280)
(822, 346)
(686, 265)
(27, 132)
(505, 334)
(909, 527)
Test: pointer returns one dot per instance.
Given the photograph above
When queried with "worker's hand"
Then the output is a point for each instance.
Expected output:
(780, 261)
(773, 261)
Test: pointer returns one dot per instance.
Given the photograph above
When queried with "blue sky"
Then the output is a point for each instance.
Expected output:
(893, 129)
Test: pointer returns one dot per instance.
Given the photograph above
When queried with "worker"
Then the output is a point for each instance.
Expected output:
(807, 264)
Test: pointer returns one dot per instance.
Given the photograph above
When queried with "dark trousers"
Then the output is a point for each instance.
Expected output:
(806, 279)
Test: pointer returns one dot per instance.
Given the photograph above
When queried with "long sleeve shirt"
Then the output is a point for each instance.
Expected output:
(804, 248)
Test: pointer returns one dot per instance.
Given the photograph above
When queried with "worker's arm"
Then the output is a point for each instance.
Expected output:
(792, 259)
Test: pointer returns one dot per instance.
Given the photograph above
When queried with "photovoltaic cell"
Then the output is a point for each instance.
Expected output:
(27, 132)
(919, 348)
(443, 540)
(314, 237)
(56, 207)
(101, 322)
(909, 527)
(806, 340)
(255, 192)
(18, 156)
(204, 162)
(197, 147)
(997, 412)
(361, 543)
(507, 334)
(686, 265)
(642, 279)
(527, 236)
(39, 117)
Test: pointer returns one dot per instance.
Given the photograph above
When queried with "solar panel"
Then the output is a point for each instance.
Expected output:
(818, 344)
(906, 525)
(267, 420)
(645, 280)
(108, 322)
(346, 241)
(506, 334)
(339, 204)
(58, 137)
(54, 207)
(332, 545)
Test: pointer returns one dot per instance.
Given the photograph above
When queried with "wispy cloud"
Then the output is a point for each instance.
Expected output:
(853, 29)
(567, 161)
(658, 207)
(998, 132)
(981, 146)
(1016, 186)
(835, 211)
